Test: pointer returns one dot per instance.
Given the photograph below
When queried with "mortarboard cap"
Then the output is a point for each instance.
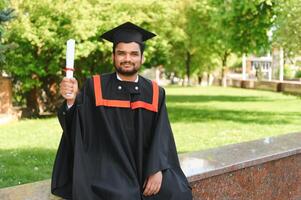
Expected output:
(127, 32)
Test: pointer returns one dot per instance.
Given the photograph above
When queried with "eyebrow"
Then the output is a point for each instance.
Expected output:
(122, 51)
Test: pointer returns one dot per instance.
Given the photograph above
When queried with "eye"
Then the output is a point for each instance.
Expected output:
(135, 53)
(120, 53)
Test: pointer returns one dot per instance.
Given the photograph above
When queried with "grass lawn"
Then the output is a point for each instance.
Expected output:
(204, 118)
(201, 118)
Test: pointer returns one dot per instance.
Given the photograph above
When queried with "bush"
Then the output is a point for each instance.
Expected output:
(298, 74)
(288, 72)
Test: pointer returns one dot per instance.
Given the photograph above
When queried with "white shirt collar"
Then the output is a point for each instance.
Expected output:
(118, 77)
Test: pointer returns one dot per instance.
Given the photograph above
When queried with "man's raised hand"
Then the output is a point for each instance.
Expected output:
(69, 89)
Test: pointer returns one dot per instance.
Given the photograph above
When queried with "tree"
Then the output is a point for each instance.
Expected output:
(189, 32)
(6, 14)
(240, 27)
(41, 30)
(204, 30)
(287, 26)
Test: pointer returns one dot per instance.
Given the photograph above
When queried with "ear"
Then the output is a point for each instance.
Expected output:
(142, 59)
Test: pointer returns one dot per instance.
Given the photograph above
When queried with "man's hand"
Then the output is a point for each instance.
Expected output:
(69, 89)
(152, 184)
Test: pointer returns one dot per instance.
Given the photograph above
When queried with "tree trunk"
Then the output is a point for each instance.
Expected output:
(32, 104)
(200, 79)
(208, 79)
(187, 63)
(52, 99)
(224, 68)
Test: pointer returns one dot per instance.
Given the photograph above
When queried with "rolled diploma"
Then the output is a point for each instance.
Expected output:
(70, 58)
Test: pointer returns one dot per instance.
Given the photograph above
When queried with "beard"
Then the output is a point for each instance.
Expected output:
(127, 72)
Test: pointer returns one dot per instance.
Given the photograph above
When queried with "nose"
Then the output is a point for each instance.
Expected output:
(127, 57)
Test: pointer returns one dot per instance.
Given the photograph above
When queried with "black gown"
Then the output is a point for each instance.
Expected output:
(115, 135)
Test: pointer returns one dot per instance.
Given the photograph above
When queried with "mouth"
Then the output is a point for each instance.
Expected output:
(127, 65)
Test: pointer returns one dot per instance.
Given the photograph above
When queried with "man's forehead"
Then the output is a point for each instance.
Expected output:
(131, 46)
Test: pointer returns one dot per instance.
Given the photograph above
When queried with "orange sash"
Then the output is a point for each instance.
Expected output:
(100, 101)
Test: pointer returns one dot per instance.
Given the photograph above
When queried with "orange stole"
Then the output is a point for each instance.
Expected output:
(100, 101)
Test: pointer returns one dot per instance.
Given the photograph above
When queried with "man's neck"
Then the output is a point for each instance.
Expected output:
(132, 78)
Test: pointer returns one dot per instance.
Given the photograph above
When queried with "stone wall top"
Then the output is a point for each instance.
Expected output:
(212, 162)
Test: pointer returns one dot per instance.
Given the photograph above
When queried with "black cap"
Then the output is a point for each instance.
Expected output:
(127, 32)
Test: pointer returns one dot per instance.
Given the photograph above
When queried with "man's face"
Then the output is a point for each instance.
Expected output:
(127, 58)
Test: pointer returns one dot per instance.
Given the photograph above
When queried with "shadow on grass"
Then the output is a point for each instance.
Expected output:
(48, 115)
(183, 152)
(221, 98)
(180, 114)
(19, 166)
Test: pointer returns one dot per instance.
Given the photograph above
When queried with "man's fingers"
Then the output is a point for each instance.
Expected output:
(68, 88)
(73, 80)
(157, 189)
(148, 189)
(68, 85)
(153, 184)
(67, 81)
(151, 189)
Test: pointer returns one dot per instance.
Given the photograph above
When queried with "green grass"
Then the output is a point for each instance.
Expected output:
(201, 118)
(27, 150)
(204, 118)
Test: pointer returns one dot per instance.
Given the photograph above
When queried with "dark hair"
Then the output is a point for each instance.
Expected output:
(141, 46)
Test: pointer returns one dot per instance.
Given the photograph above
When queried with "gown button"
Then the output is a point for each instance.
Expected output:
(119, 87)
(136, 88)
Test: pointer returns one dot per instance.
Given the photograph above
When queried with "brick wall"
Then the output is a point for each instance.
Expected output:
(274, 180)
(5, 95)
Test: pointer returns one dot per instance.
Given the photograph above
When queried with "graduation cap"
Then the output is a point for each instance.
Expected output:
(127, 32)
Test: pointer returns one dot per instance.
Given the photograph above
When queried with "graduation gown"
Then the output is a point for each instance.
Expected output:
(116, 135)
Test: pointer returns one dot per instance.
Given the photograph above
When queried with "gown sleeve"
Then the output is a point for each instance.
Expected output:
(159, 150)
(163, 157)
(61, 182)
(62, 174)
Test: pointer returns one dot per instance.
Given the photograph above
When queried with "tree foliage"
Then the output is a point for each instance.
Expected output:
(6, 14)
(287, 27)
(240, 27)
(206, 30)
(42, 28)
(190, 30)
(192, 36)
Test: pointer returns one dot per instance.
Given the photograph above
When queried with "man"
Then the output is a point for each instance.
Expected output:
(117, 143)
